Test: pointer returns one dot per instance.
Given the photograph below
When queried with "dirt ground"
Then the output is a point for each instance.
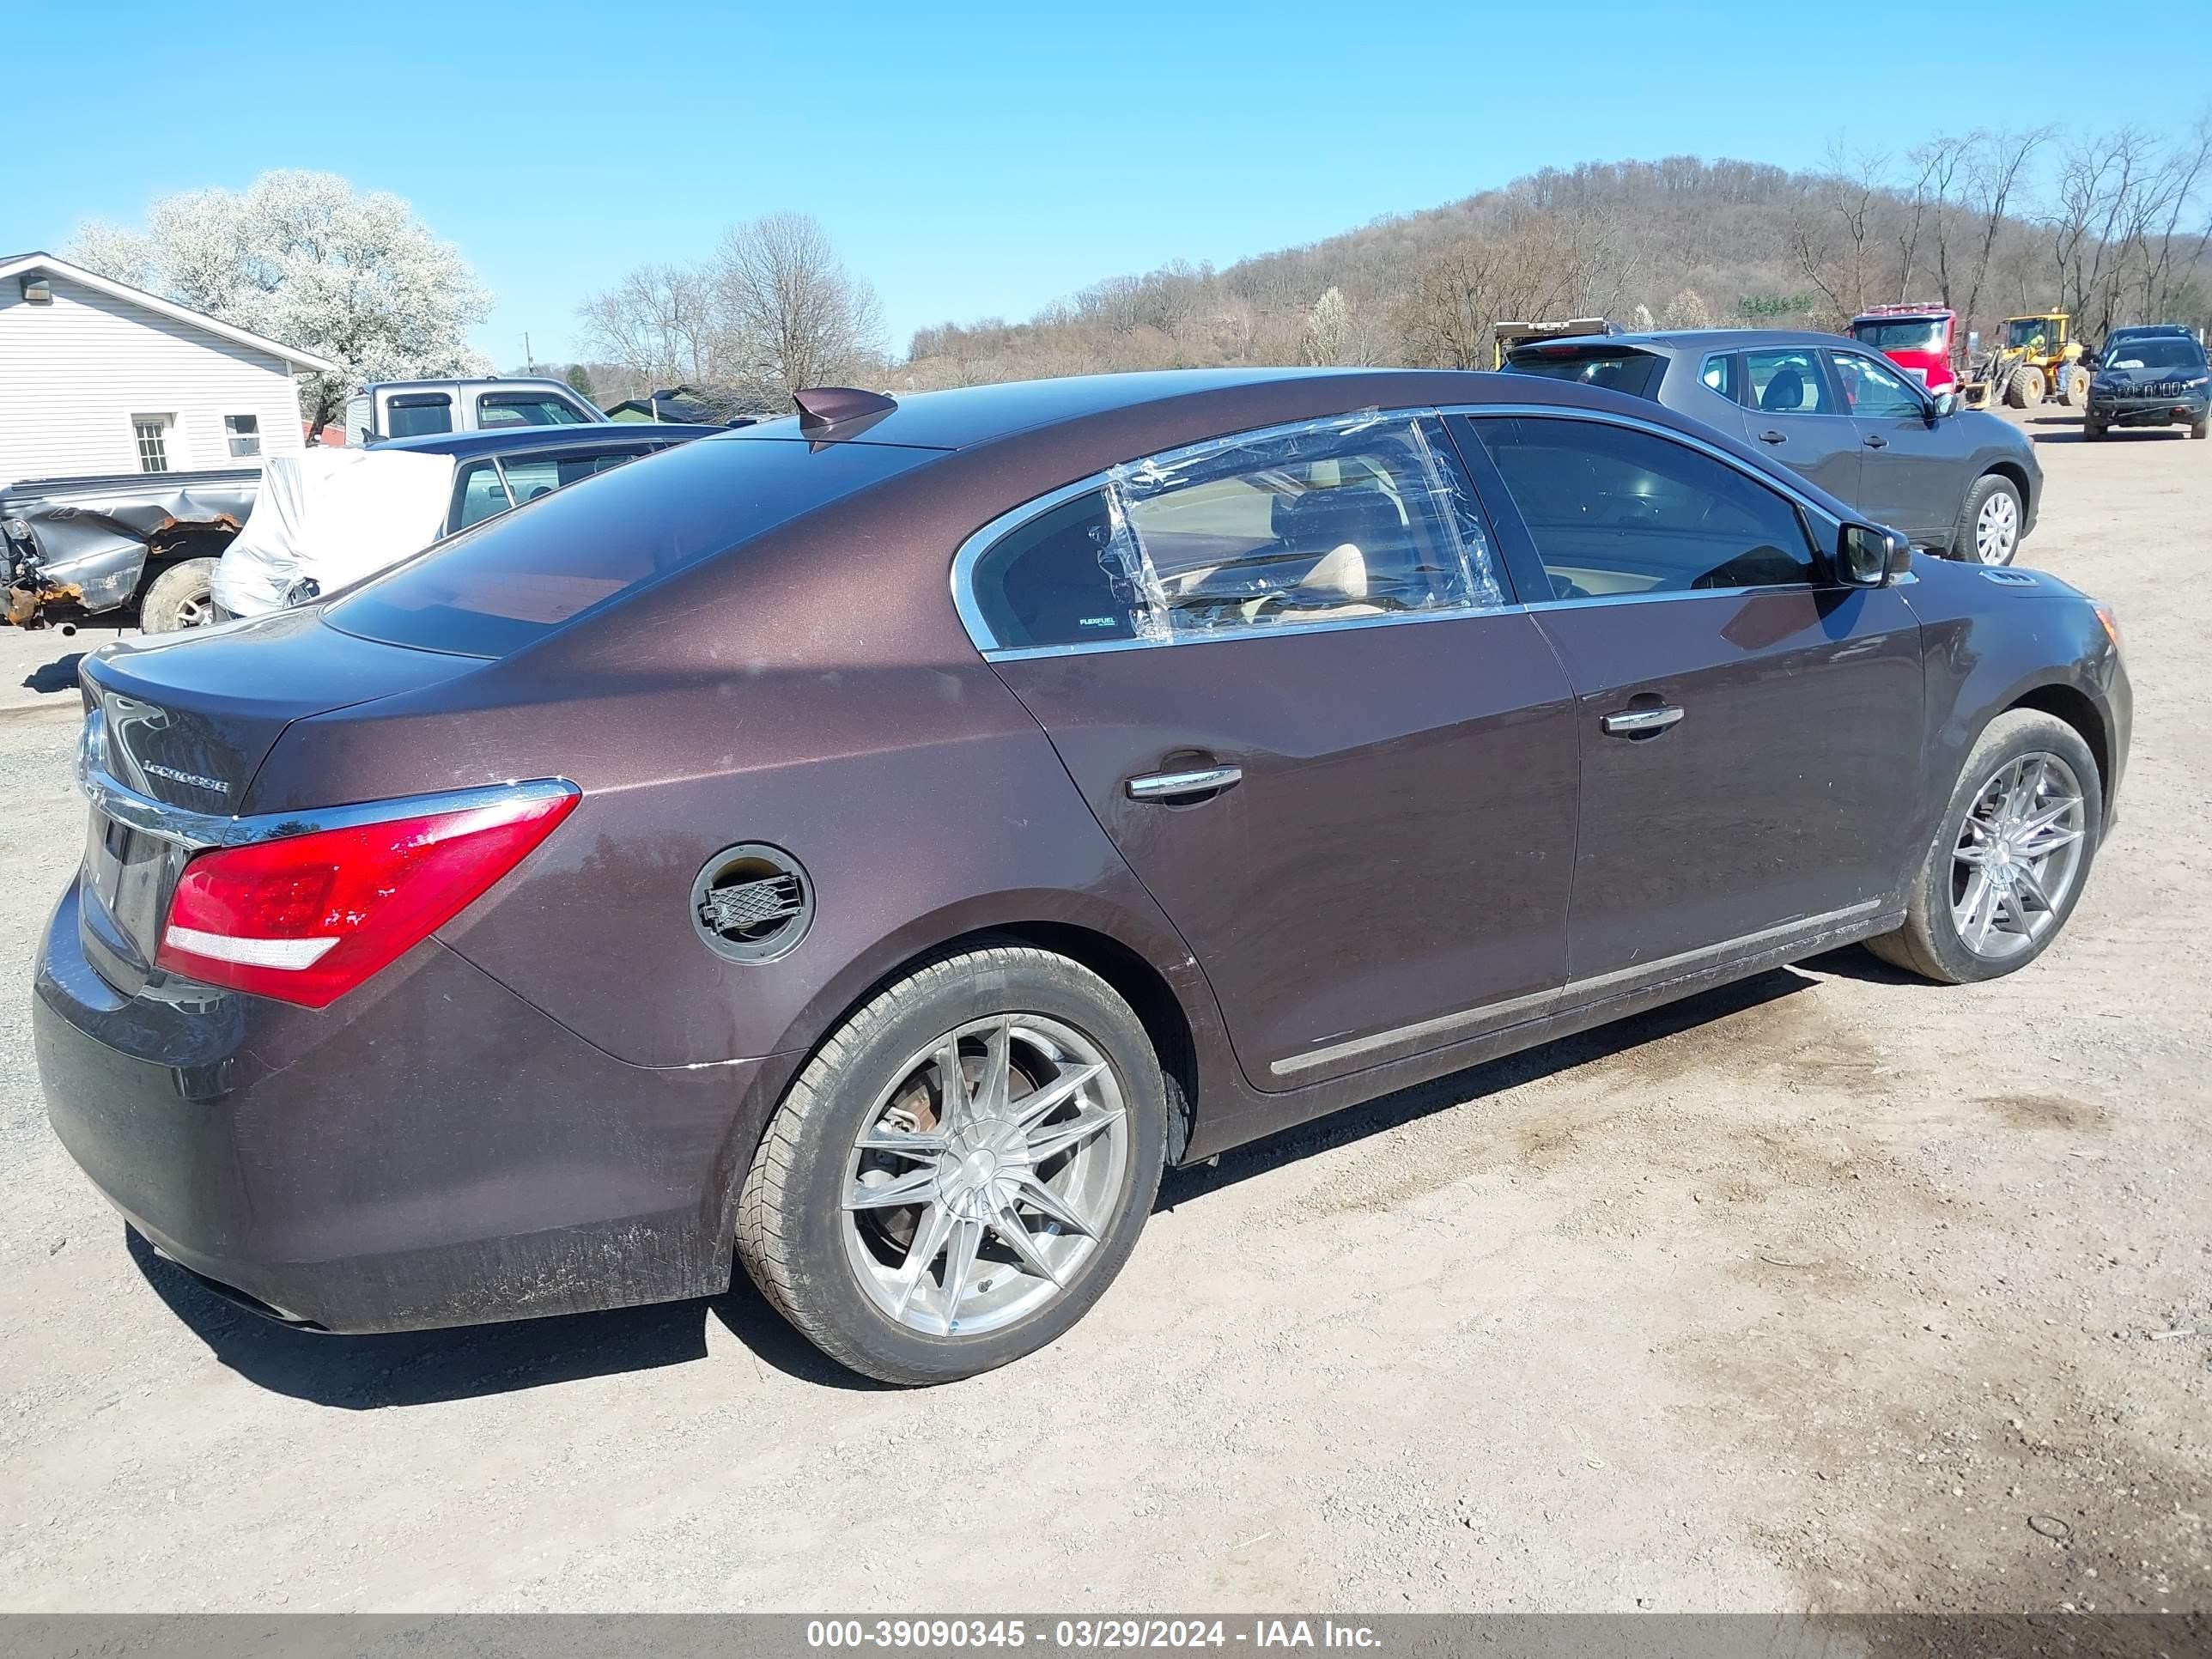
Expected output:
(1825, 1292)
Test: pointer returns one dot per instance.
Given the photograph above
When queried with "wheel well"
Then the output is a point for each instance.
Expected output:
(1134, 980)
(2073, 707)
(2012, 475)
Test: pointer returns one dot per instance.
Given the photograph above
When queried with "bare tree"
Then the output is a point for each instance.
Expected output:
(789, 311)
(1328, 328)
(1834, 241)
(1994, 175)
(658, 323)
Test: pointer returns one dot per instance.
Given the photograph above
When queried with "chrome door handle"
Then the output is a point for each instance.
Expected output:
(1173, 785)
(1640, 722)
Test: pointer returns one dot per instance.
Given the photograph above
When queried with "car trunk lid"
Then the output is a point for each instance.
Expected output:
(175, 731)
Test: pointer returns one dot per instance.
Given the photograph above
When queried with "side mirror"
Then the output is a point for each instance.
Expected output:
(1867, 556)
(1946, 403)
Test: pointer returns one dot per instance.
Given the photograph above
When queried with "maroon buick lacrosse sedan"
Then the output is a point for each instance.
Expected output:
(871, 846)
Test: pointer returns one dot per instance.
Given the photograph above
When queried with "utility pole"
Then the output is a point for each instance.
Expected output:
(529, 362)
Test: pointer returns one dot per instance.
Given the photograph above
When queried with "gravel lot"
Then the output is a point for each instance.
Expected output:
(1827, 1290)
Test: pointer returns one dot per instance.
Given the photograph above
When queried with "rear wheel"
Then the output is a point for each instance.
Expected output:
(1988, 531)
(182, 596)
(2008, 859)
(961, 1171)
(2074, 386)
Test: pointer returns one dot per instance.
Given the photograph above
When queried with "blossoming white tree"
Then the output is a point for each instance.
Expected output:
(303, 258)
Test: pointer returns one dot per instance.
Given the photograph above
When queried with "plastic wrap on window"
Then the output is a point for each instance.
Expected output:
(1339, 520)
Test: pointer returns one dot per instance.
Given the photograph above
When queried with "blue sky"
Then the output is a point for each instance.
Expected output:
(973, 161)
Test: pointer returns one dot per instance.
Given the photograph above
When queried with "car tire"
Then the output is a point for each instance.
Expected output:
(1981, 535)
(1936, 940)
(846, 1276)
(2197, 428)
(2092, 431)
(182, 596)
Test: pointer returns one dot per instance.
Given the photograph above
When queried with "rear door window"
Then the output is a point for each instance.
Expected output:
(1788, 382)
(480, 493)
(517, 577)
(416, 414)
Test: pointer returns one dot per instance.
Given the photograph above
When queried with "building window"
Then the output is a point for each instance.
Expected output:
(153, 432)
(244, 432)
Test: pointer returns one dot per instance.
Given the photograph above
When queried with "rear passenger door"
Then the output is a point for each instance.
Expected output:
(1793, 410)
(1750, 731)
(1283, 670)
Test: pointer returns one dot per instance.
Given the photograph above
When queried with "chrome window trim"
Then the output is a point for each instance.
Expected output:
(972, 549)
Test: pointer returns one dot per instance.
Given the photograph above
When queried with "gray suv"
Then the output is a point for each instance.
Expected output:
(1961, 483)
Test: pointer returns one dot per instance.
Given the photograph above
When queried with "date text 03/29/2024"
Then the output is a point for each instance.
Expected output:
(1085, 1635)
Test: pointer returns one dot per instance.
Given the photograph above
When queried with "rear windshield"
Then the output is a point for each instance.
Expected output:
(1636, 373)
(2154, 352)
(1906, 334)
(498, 588)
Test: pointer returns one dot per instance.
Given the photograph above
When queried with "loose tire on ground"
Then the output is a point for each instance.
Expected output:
(182, 596)
(793, 1209)
(1930, 943)
(1967, 534)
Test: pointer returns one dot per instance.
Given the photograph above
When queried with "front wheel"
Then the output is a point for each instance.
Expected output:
(962, 1169)
(2092, 431)
(2009, 857)
(1988, 531)
(2198, 426)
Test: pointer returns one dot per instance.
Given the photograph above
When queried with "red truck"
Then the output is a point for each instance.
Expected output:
(1916, 339)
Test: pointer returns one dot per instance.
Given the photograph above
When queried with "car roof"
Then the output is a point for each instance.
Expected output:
(539, 440)
(2182, 329)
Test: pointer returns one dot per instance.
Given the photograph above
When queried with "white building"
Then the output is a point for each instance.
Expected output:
(97, 376)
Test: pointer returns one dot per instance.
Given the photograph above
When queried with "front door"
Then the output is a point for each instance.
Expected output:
(1301, 711)
(1792, 410)
(1751, 734)
(1915, 472)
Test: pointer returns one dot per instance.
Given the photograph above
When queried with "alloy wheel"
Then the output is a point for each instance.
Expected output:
(1996, 528)
(2017, 856)
(985, 1176)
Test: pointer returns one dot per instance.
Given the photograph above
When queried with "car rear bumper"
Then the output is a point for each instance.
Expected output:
(431, 1151)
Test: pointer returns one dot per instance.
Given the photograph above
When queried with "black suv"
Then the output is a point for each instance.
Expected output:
(2149, 377)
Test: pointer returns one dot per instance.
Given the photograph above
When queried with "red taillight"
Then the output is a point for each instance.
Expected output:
(306, 918)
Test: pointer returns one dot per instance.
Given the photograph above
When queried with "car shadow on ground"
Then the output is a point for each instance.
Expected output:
(2070, 432)
(421, 1368)
(59, 675)
(1393, 1111)
(416, 1368)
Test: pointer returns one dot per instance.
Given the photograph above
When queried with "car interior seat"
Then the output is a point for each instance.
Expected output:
(1785, 392)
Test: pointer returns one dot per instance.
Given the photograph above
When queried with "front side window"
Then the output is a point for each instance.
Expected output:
(1873, 392)
(1787, 382)
(1338, 520)
(498, 409)
(1616, 512)
(243, 434)
(418, 414)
